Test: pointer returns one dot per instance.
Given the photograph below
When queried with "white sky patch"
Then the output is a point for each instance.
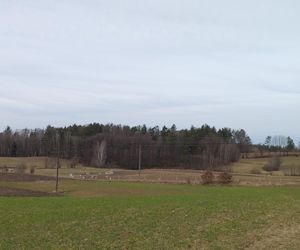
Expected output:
(226, 63)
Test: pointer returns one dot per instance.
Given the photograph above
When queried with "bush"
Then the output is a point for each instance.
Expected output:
(255, 171)
(20, 169)
(207, 177)
(273, 164)
(4, 169)
(50, 162)
(32, 169)
(188, 180)
(224, 178)
(295, 171)
(74, 162)
(291, 170)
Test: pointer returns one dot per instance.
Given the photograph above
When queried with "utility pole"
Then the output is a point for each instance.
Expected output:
(57, 161)
(57, 172)
(140, 159)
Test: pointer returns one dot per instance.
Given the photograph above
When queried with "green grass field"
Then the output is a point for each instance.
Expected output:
(128, 215)
(104, 215)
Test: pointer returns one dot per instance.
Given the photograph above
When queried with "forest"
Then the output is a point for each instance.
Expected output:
(116, 145)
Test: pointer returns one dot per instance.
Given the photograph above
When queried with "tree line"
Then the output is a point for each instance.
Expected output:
(116, 145)
(279, 145)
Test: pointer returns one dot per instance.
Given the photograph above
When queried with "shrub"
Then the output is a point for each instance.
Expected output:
(224, 178)
(295, 171)
(74, 162)
(50, 162)
(46, 162)
(273, 164)
(255, 171)
(188, 180)
(291, 170)
(20, 168)
(207, 177)
(4, 169)
(32, 169)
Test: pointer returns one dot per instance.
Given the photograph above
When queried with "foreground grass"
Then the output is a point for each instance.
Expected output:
(152, 216)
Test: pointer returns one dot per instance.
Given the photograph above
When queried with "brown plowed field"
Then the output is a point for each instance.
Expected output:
(11, 192)
(24, 177)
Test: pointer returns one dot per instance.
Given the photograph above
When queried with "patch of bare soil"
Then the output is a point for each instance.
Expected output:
(14, 192)
(24, 177)
(286, 237)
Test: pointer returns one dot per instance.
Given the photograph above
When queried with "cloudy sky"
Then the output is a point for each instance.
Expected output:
(226, 63)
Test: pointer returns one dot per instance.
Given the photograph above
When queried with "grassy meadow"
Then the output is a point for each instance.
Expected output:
(99, 214)
(244, 166)
(112, 215)
(255, 165)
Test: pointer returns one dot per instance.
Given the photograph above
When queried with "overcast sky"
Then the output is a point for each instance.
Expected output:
(227, 63)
